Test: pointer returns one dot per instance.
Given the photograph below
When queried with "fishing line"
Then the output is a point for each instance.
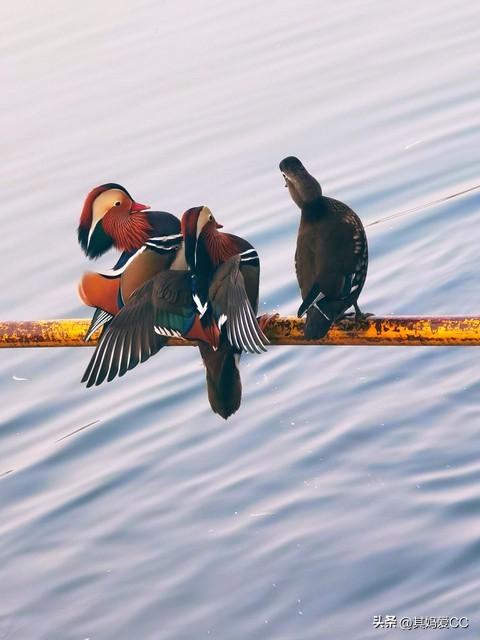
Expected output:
(406, 212)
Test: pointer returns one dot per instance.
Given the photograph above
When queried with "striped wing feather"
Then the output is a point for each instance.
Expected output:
(100, 318)
(162, 307)
(232, 308)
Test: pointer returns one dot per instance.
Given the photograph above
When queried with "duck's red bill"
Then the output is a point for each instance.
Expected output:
(136, 206)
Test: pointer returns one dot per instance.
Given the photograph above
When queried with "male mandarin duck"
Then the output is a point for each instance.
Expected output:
(331, 258)
(148, 239)
(209, 294)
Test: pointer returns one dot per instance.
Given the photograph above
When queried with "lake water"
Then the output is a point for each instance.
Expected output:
(347, 486)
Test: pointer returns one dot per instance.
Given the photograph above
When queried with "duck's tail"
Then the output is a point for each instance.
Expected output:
(224, 385)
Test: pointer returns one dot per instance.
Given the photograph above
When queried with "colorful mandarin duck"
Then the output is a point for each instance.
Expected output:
(331, 259)
(148, 239)
(209, 294)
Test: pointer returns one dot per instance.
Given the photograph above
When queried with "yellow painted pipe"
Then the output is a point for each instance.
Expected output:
(395, 331)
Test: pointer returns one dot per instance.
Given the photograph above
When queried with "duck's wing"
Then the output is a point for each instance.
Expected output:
(232, 308)
(100, 318)
(102, 290)
(160, 309)
(331, 292)
(165, 236)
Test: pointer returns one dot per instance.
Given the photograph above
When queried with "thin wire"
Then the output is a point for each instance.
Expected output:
(400, 214)
(90, 424)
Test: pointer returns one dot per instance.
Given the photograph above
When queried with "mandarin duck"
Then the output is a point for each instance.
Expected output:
(209, 295)
(331, 257)
(148, 241)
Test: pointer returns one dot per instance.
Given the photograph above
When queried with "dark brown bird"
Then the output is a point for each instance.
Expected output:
(331, 259)
(210, 294)
(148, 240)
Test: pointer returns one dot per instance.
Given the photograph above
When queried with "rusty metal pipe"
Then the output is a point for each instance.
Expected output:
(403, 331)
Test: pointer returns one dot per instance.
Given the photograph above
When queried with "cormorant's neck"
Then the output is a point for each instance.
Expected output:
(313, 210)
(304, 188)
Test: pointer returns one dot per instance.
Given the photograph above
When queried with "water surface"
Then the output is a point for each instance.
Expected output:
(347, 485)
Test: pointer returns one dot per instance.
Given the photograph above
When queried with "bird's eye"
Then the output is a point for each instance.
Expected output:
(210, 217)
(117, 203)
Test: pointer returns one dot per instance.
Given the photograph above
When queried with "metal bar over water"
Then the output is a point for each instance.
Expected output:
(403, 331)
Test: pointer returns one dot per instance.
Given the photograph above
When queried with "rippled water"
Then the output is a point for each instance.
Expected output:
(347, 485)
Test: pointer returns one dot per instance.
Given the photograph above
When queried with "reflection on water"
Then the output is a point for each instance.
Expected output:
(346, 487)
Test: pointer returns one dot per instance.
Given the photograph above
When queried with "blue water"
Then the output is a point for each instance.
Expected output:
(347, 484)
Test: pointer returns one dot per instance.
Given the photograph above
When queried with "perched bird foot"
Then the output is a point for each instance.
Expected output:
(359, 315)
(363, 316)
(267, 319)
(351, 315)
(356, 315)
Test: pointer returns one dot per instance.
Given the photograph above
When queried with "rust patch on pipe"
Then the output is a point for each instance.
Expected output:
(386, 331)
